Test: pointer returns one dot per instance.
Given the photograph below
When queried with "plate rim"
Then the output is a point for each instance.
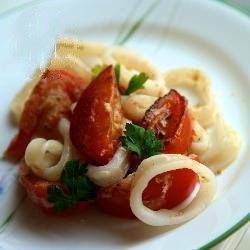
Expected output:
(212, 243)
(238, 8)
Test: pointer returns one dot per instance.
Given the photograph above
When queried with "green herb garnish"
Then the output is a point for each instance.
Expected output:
(117, 73)
(117, 76)
(78, 187)
(136, 82)
(140, 141)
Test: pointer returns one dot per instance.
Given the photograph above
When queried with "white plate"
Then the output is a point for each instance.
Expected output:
(203, 34)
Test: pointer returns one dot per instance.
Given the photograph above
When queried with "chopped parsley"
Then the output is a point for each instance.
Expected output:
(140, 141)
(136, 82)
(77, 187)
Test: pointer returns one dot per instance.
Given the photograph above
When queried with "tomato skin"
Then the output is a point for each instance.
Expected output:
(114, 199)
(97, 120)
(49, 101)
(181, 141)
(36, 189)
(171, 121)
(185, 179)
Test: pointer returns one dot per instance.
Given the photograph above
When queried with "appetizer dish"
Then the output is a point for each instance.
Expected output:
(102, 126)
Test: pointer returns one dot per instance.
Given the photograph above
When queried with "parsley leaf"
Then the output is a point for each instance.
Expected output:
(117, 76)
(60, 200)
(118, 73)
(97, 69)
(77, 184)
(136, 82)
(152, 146)
(143, 143)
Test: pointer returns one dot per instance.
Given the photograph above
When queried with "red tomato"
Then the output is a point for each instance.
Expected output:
(171, 121)
(166, 190)
(97, 120)
(49, 101)
(36, 189)
(114, 199)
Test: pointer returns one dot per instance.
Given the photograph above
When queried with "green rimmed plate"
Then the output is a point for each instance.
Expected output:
(203, 34)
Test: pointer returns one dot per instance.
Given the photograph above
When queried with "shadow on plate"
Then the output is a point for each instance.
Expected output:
(36, 224)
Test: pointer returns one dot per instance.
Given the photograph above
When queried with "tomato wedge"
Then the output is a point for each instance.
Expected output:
(36, 189)
(97, 120)
(49, 101)
(166, 190)
(171, 121)
(114, 199)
